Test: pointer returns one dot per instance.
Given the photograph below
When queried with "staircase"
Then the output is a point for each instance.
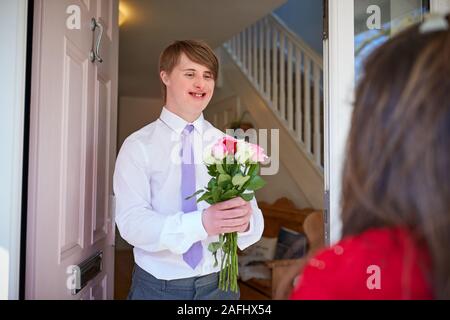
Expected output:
(278, 79)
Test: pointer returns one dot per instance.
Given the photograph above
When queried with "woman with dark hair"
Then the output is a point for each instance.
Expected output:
(396, 181)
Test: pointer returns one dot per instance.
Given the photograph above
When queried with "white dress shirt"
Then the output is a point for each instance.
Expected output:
(147, 186)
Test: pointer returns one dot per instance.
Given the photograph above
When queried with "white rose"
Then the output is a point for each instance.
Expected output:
(208, 157)
(244, 152)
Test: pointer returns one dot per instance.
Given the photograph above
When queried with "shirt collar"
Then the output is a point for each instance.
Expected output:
(177, 123)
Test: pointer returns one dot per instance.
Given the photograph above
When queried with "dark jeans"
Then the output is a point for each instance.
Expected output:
(146, 287)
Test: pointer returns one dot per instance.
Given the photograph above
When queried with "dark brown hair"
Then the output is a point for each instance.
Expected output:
(197, 51)
(397, 168)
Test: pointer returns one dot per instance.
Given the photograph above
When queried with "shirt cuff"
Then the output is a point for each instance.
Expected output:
(193, 222)
(250, 229)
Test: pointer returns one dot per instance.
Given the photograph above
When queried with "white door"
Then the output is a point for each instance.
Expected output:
(72, 150)
(355, 28)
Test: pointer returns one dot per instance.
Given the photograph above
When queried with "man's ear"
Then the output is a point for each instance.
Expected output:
(164, 77)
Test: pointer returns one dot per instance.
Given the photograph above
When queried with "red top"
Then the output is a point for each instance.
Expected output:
(383, 263)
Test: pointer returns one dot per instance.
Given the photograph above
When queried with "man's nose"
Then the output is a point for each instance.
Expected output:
(199, 82)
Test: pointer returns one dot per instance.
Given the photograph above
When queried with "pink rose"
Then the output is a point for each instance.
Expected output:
(230, 144)
(219, 151)
(258, 154)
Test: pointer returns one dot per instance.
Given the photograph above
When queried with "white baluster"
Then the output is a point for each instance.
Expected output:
(249, 52)
(268, 46)
(244, 50)
(290, 104)
(238, 48)
(255, 58)
(317, 117)
(274, 69)
(307, 95)
(261, 56)
(238, 106)
(298, 94)
(282, 76)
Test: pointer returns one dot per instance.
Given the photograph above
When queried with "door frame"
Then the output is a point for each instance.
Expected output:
(13, 62)
(339, 82)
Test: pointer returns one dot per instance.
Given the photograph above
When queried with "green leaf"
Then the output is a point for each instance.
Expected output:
(216, 263)
(255, 183)
(212, 183)
(254, 169)
(196, 193)
(220, 168)
(229, 194)
(205, 196)
(227, 185)
(212, 171)
(214, 246)
(247, 196)
(223, 178)
(229, 160)
(216, 194)
(239, 180)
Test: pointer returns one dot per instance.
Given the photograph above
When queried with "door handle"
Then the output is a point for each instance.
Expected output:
(95, 52)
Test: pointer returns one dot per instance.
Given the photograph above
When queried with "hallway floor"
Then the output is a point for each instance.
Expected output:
(124, 262)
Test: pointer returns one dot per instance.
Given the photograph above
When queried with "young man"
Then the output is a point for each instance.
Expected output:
(170, 234)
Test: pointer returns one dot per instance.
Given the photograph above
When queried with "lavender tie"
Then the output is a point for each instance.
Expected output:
(195, 252)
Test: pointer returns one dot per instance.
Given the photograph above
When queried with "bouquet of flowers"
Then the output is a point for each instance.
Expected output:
(234, 167)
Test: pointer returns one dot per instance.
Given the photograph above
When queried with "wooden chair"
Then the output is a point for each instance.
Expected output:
(283, 213)
(284, 274)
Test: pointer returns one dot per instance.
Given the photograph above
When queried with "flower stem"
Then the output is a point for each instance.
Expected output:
(236, 262)
(221, 274)
(235, 272)
(230, 247)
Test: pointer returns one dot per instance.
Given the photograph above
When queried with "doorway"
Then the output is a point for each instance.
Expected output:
(62, 240)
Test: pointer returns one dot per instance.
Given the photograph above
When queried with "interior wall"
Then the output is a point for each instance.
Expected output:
(135, 113)
(304, 17)
(282, 185)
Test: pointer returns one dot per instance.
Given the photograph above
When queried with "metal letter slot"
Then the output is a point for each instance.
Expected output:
(88, 270)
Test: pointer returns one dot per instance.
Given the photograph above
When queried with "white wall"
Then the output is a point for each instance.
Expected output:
(304, 17)
(13, 27)
(282, 185)
(135, 113)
